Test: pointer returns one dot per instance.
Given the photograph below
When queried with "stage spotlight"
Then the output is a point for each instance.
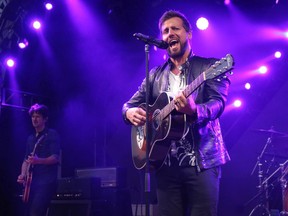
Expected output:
(48, 5)
(237, 103)
(36, 24)
(202, 23)
(277, 54)
(10, 62)
(227, 2)
(263, 69)
(23, 43)
(247, 86)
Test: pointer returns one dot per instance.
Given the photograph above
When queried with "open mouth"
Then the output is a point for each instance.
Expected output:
(173, 43)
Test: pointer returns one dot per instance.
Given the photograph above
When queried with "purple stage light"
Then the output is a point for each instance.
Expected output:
(36, 24)
(247, 86)
(10, 62)
(227, 2)
(237, 103)
(263, 70)
(48, 6)
(277, 54)
(202, 23)
(23, 43)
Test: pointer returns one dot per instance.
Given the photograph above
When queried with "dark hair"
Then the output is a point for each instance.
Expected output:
(172, 13)
(40, 109)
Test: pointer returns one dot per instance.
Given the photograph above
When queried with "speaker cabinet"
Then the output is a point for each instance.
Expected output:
(110, 176)
(78, 188)
(112, 202)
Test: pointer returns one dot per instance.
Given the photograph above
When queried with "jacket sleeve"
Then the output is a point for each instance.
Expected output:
(137, 99)
(211, 99)
(140, 95)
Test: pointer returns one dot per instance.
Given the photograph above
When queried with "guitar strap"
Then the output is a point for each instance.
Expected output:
(38, 141)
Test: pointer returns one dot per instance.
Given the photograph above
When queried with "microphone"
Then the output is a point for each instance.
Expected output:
(150, 40)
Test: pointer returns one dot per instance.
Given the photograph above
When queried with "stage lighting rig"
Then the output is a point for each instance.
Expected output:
(14, 15)
(22, 43)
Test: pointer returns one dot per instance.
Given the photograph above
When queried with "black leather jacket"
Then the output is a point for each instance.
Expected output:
(210, 98)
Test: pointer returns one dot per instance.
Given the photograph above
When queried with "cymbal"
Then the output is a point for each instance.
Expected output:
(271, 131)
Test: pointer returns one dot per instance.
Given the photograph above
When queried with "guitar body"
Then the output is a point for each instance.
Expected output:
(27, 187)
(163, 130)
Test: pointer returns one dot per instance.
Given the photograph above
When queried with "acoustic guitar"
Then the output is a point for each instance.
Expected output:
(167, 125)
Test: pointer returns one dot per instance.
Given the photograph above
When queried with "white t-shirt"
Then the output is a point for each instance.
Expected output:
(176, 84)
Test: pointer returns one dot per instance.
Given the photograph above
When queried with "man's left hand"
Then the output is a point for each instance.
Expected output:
(33, 159)
(185, 105)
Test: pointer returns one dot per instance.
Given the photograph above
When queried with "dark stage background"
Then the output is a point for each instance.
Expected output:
(85, 64)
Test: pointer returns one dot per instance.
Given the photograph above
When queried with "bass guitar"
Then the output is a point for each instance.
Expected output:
(29, 173)
(165, 125)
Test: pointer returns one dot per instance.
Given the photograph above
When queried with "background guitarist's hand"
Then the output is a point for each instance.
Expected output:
(32, 159)
(21, 179)
(136, 115)
(185, 105)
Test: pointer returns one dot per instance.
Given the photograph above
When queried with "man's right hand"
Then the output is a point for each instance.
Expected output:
(136, 115)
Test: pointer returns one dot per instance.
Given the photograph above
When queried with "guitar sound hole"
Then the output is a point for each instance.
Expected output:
(156, 120)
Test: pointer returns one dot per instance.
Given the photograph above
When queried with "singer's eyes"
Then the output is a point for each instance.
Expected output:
(168, 30)
(165, 31)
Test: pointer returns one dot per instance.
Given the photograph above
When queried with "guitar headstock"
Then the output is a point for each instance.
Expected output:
(220, 67)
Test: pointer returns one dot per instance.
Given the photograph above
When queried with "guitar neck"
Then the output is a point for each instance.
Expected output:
(194, 85)
(29, 166)
(217, 69)
(36, 144)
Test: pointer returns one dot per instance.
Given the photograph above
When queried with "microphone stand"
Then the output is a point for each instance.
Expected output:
(162, 45)
(148, 138)
(263, 185)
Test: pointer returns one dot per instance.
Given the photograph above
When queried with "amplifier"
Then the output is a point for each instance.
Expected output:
(78, 188)
(110, 177)
(113, 202)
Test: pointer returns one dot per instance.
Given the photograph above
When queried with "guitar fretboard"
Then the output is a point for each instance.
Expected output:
(187, 91)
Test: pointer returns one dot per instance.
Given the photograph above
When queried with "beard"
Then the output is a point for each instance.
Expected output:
(180, 53)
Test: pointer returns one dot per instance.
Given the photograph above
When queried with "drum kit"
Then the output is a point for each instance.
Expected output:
(275, 146)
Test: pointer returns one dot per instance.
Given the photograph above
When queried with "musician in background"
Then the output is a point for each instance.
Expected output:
(43, 164)
(188, 181)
